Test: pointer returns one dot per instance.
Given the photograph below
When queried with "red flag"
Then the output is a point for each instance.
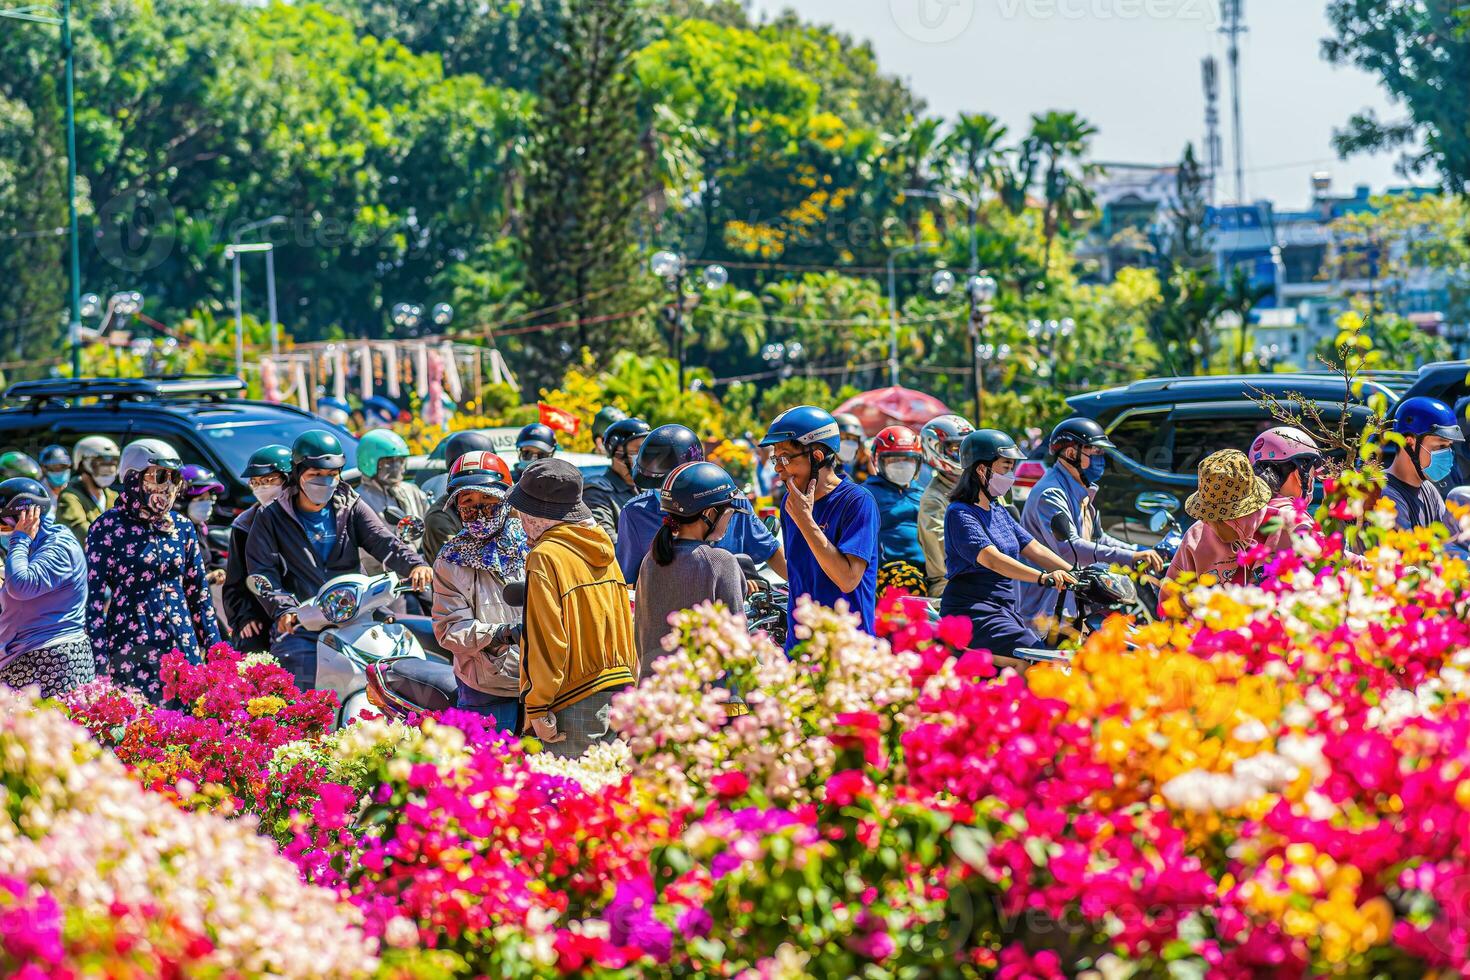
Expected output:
(558, 419)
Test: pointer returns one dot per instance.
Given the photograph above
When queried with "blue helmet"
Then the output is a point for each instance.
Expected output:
(1422, 416)
(537, 436)
(807, 425)
(664, 450)
(378, 407)
(696, 487)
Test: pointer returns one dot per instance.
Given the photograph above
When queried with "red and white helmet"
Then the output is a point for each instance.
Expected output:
(1283, 444)
(897, 440)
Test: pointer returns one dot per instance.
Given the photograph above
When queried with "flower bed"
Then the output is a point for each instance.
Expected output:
(1274, 784)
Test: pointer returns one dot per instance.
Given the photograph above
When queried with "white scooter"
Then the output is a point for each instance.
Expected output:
(349, 638)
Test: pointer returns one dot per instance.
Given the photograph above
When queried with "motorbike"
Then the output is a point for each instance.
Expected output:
(765, 608)
(402, 687)
(350, 638)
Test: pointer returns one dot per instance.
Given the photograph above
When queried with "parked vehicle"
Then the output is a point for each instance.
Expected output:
(204, 418)
(423, 469)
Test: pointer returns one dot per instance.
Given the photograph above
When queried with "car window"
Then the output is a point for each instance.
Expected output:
(1198, 436)
(234, 441)
(32, 437)
(1140, 438)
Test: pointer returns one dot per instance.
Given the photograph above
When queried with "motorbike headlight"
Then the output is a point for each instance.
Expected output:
(339, 605)
(1119, 587)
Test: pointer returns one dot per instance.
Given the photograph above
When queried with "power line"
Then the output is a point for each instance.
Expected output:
(38, 233)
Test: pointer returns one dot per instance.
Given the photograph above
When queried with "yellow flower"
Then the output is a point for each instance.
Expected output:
(268, 705)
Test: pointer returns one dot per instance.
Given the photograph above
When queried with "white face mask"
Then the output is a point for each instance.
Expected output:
(901, 473)
(1000, 483)
(105, 481)
(200, 511)
(847, 452)
(268, 494)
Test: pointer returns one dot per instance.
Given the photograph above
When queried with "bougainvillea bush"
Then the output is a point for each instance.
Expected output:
(1272, 782)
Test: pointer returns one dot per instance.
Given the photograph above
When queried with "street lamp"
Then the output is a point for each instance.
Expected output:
(672, 268)
(410, 315)
(783, 356)
(893, 308)
(980, 291)
(232, 255)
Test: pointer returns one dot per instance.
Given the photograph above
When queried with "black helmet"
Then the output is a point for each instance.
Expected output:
(1084, 432)
(537, 436)
(22, 491)
(465, 442)
(695, 487)
(317, 449)
(622, 432)
(664, 450)
(605, 418)
(267, 460)
(986, 446)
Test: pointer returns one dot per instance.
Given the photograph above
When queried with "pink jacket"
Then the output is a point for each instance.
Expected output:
(1203, 552)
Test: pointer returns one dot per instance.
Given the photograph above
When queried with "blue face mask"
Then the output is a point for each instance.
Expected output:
(58, 479)
(1440, 464)
(1096, 466)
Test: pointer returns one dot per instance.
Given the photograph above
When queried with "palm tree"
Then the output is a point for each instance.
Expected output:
(1057, 144)
(973, 157)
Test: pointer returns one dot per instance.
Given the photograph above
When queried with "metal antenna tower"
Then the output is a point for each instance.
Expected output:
(1213, 149)
(1232, 16)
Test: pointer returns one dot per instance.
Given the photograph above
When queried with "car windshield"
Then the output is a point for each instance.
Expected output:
(235, 440)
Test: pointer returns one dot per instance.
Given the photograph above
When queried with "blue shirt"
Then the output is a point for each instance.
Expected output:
(848, 518)
(44, 599)
(969, 530)
(641, 518)
(321, 530)
(898, 512)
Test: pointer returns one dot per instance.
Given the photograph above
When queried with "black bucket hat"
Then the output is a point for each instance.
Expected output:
(550, 489)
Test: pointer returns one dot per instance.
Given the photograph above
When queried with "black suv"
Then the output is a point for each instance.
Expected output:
(1163, 427)
(203, 418)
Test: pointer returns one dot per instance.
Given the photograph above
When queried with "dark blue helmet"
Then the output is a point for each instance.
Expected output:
(807, 425)
(1422, 416)
(664, 450)
(622, 432)
(696, 487)
(537, 436)
(20, 492)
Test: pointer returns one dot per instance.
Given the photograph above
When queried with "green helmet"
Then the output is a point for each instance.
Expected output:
(986, 446)
(267, 460)
(13, 464)
(379, 444)
(605, 418)
(319, 449)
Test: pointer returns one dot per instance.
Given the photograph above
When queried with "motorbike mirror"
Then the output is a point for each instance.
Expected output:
(1061, 526)
(1159, 521)
(392, 515)
(1153, 501)
(515, 593)
(410, 529)
(772, 523)
(259, 585)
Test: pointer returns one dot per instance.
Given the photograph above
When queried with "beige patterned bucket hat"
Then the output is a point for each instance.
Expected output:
(1228, 488)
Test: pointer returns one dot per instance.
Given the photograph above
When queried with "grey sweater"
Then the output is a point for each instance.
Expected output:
(698, 573)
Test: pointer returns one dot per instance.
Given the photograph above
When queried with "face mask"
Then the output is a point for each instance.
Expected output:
(319, 491)
(105, 480)
(58, 479)
(200, 511)
(267, 494)
(1000, 484)
(483, 527)
(1440, 464)
(1096, 466)
(901, 473)
(847, 452)
(390, 472)
(161, 496)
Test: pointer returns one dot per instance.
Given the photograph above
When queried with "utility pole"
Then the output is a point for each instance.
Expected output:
(1213, 149)
(1233, 16)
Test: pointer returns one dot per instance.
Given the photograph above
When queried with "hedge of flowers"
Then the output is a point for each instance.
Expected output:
(1275, 782)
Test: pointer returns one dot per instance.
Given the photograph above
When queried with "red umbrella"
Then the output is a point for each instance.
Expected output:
(883, 407)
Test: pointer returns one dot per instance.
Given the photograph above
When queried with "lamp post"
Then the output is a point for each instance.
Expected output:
(270, 279)
(410, 315)
(232, 255)
(980, 291)
(784, 356)
(38, 13)
(893, 308)
(122, 305)
(672, 268)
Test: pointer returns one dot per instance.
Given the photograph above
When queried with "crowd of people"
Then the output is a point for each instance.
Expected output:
(108, 561)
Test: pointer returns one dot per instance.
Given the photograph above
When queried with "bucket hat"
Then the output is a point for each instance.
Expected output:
(1228, 488)
(550, 489)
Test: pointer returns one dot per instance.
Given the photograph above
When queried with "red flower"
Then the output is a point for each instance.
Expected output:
(847, 786)
(727, 785)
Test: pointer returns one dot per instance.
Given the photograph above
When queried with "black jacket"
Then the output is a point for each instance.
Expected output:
(241, 606)
(440, 524)
(278, 548)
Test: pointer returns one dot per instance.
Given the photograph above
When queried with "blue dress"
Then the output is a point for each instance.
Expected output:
(147, 596)
(988, 599)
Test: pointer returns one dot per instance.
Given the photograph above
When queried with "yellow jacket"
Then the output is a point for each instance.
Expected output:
(77, 510)
(578, 630)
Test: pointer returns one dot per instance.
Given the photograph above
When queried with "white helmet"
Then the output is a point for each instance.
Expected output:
(144, 453)
(940, 440)
(94, 447)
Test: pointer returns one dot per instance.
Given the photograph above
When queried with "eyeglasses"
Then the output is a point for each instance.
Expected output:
(256, 482)
(784, 460)
(160, 474)
(531, 455)
(477, 512)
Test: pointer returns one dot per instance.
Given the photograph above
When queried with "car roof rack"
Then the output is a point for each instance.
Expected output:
(208, 387)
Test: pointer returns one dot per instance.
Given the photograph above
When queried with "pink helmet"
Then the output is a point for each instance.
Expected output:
(1282, 444)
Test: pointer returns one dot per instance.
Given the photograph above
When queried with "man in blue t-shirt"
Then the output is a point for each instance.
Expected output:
(829, 523)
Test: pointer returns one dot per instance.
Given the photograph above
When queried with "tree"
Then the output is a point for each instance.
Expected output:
(1055, 146)
(973, 157)
(1421, 54)
(583, 175)
(1190, 296)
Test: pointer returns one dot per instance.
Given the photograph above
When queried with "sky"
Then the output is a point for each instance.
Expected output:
(1132, 68)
